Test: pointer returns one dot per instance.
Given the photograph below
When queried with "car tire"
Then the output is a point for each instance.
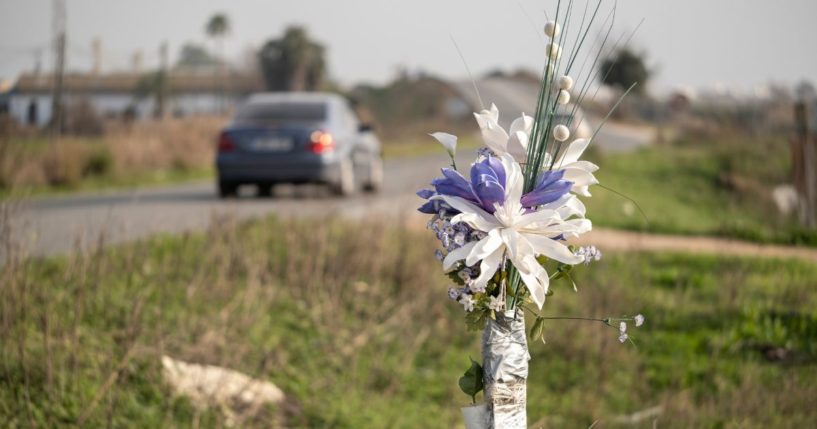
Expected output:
(374, 181)
(227, 189)
(345, 184)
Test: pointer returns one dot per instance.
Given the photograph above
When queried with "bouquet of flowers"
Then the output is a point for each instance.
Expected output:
(505, 229)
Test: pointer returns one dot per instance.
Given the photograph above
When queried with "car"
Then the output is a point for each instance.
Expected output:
(298, 138)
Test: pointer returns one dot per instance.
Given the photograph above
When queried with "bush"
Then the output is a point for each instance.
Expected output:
(63, 163)
(98, 163)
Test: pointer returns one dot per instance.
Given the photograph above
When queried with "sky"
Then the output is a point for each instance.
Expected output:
(690, 43)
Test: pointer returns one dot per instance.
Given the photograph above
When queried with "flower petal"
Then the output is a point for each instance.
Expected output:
(484, 247)
(449, 141)
(543, 245)
(488, 267)
(485, 116)
(517, 145)
(580, 177)
(457, 255)
(495, 137)
(535, 277)
(470, 213)
(573, 152)
(515, 181)
(523, 123)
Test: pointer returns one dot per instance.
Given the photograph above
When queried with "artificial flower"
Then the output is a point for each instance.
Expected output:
(577, 171)
(516, 233)
(513, 142)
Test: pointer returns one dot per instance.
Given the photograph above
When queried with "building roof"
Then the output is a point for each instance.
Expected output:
(129, 82)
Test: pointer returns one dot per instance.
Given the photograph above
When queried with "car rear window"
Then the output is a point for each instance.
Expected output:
(260, 113)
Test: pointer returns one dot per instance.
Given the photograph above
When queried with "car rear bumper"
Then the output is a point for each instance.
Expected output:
(240, 171)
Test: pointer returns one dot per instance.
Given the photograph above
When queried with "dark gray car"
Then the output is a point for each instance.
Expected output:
(298, 138)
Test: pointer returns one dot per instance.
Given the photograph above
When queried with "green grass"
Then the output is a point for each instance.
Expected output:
(351, 320)
(712, 187)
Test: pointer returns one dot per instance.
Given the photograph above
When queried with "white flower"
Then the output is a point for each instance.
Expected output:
(576, 171)
(552, 29)
(565, 83)
(622, 338)
(563, 98)
(518, 235)
(496, 304)
(639, 319)
(467, 302)
(561, 133)
(513, 142)
(622, 327)
(449, 142)
(589, 253)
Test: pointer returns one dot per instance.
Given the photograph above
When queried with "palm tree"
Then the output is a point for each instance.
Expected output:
(217, 29)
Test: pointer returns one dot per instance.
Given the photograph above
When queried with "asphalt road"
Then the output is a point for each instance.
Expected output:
(57, 225)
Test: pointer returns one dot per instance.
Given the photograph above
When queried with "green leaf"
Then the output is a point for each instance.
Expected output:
(475, 320)
(471, 381)
(538, 328)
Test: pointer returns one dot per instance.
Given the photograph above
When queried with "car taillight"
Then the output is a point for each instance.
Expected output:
(225, 144)
(321, 142)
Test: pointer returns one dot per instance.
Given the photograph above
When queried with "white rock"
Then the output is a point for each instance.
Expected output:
(237, 394)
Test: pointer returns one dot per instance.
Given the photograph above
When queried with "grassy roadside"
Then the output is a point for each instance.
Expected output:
(351, 320)
(717, 187)
(140, 154)
(92, 165)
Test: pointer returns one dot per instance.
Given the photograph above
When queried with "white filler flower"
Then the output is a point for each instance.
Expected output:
(554, 51)
(565, 82)
(564, 97)
(561, 133)
(517, 234)
(552, 29)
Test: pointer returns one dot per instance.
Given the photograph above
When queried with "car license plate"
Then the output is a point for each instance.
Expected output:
(272, 144)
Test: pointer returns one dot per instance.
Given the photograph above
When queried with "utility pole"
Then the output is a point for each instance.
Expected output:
(161, 82)
(96, 56)
(804, 163)
(58, 26)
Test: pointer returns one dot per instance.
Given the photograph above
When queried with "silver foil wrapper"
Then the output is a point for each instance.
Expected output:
(505, 363)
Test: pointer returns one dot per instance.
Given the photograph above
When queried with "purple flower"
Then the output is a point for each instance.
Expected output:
(549, 188)
(487, 187)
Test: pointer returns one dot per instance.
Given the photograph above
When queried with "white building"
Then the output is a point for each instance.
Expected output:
(120, 94)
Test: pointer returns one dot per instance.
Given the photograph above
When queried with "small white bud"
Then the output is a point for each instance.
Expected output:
(561, 133)
(622, 327)
(552, 29)
(554, 51)
(565, 82)
(639, 319)
(564, 97)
